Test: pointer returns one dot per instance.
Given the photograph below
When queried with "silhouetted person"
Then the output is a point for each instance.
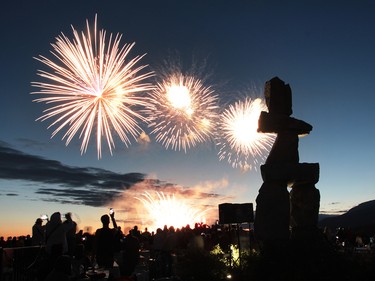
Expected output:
(135, 232)
(9, 242)
(168, 248)
(158, 253)
(118, 242)
(14, 242)
(28, 241)
(3, 243)
(130, 254)
(56, 243)
(71, 229)
(104, 245)
(146, 239)
(38, 233)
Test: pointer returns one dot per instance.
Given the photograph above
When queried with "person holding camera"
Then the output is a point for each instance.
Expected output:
(104, 241)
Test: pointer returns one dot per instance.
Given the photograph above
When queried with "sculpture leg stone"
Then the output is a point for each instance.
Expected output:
(304, 212)
(272, 217)
(273, 210)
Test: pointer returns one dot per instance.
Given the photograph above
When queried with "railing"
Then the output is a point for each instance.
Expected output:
(14, 263)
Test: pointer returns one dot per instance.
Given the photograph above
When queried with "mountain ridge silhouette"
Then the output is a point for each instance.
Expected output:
(360, 218)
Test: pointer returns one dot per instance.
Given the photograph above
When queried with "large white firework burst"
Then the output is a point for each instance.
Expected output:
(240, 143)
(93, 86)
(183, 112)
(166, 209)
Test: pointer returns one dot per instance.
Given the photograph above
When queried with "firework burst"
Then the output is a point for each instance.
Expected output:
(167, 210)
(93, 86)
(240, 143)
(183, 112)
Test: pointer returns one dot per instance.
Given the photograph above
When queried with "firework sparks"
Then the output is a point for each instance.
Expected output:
(93, 84)
(183, 112)
(168, 210)
(240, 142)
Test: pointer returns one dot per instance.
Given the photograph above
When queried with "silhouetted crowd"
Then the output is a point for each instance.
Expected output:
(68, 254)
(13, 242)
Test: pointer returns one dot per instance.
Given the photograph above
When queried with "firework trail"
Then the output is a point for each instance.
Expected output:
(93, 84)
(168, 210)
(239, 141)
(183, 112)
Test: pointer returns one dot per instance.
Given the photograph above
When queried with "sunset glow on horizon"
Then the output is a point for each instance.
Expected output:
(168, 210)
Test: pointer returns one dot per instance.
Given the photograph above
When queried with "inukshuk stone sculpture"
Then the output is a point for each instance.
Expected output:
(277, 210)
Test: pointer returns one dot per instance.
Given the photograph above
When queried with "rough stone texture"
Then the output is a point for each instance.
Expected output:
(282, 102)
(284, 149)
(276, 209)
(305, 203)
(272, 213)
(293, 173)
(304, 210)
(276, 123)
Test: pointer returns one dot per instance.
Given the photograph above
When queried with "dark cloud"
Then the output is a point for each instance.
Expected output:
(87, 186)
(11, 194)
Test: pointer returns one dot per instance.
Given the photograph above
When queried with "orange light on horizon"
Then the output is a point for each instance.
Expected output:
(168, 210)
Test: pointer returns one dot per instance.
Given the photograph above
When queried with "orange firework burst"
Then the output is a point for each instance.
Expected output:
(93, 84)
(168, 210)
(240, 143)
(183, 111)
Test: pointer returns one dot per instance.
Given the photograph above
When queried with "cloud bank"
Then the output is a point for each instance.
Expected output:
(86, 186)
(96, 187)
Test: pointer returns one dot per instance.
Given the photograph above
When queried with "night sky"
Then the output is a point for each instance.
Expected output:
(323, 49)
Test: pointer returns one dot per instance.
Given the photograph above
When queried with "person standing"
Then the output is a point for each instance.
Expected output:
(56, 243)
(38, 233)
(104, 242)
(55, 240)
(130, 255)
(71, 229)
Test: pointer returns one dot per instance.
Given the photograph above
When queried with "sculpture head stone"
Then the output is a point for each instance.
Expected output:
(278, 97)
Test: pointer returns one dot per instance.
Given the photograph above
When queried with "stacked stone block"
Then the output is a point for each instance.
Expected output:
(280, 215)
